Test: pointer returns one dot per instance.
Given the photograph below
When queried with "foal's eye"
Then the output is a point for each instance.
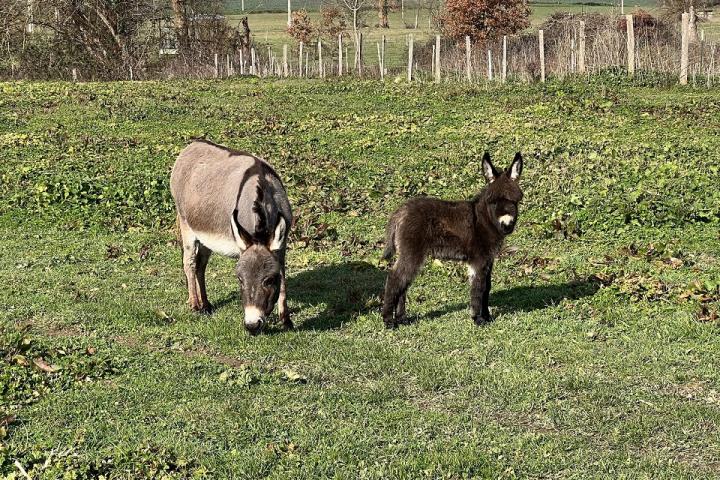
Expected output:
(270, 281)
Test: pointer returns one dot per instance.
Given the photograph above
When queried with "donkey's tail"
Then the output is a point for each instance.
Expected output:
(390, 250)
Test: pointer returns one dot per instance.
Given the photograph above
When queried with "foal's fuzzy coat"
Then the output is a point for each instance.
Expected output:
(469, 231)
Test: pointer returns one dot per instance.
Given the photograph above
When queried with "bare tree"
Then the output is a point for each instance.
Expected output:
(354, 9)
(181, 22)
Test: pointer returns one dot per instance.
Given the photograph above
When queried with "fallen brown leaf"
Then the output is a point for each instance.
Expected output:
(40, 363)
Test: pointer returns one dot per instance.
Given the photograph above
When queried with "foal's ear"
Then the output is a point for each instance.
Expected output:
(516, 167)
(278, 239)
(243, 239)
(489, 170)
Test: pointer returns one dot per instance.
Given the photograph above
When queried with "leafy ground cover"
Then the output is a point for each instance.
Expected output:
(601, 361)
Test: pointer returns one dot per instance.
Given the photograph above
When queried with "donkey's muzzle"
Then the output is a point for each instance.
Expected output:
(254, 320)
(507, 224)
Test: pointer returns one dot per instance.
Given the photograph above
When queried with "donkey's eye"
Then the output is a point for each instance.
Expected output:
(270, 281)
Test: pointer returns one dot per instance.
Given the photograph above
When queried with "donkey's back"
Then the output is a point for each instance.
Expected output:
(211, 183)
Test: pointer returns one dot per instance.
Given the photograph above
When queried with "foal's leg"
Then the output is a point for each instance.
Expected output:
(398, 281)
(400, 308)
(480, 291)
(202, 258)
(283, 311)
(189, 250)
(485, 307)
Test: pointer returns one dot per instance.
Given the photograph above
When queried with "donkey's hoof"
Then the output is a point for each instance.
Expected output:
(207, 309)
(482, 319)
(404, 320)
(390, 324)
(286, 323)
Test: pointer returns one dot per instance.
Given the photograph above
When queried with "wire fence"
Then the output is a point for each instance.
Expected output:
(572, 48)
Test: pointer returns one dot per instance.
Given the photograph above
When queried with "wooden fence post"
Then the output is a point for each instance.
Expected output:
(300, 61)
(432, 62)
(361, 43)
(340, 52)
(382, 76)
(382, 50)
(581, 48)
(227, 65)
(437, 59)
(217, 68)
(242, 63)
(630, 45)
(685, 49)
(410, 59)
(320, 68)
(74, 74)
(541, 41)
(468, 66)
(285, 61)
(572, 55)
(253, 70)
(490, 65)
(504, 59)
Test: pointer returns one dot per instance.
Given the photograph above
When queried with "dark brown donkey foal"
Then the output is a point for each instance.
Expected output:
(469, 231)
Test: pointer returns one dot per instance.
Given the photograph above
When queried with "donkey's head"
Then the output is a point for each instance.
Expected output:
(503, 194)
(258, 268)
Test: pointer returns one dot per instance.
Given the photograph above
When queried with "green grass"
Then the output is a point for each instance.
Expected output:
(601, 361)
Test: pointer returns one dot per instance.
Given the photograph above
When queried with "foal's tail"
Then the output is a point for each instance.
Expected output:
(390, 249)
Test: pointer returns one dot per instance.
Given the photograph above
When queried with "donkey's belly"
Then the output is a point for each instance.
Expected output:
(219, 244)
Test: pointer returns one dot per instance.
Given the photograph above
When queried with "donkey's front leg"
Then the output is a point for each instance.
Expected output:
(283, 311)
(480, 291)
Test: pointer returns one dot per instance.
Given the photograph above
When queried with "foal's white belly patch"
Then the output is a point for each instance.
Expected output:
(219, 243)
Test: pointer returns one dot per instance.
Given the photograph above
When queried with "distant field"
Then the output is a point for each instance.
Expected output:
(269, 28)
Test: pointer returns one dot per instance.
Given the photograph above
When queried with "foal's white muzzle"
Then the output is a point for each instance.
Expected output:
(506, 220)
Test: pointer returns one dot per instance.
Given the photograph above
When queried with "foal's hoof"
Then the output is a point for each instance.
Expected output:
(390, 324)
(206, 309)
(404, 320)
(482, 319)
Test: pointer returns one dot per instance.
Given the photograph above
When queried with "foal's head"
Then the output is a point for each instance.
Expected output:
(502, 194)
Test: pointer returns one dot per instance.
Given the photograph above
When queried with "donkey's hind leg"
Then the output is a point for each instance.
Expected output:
(202, 257)
(189, 256)
(399, 279)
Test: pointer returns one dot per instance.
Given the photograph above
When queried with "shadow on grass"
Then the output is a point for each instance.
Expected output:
(520, 299)
(529, 298)
(345, 290)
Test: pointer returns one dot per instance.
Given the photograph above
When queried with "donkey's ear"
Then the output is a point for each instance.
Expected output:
(242, 237)
(489, 170)
(278, 239)
(516, 167)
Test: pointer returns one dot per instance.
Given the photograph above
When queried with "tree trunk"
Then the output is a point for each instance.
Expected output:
(383, 8)
(181, 25)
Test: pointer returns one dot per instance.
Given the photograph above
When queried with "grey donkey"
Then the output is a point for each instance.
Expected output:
(234, 204)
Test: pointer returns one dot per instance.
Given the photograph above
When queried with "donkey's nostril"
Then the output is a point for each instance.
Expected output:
(254, 320)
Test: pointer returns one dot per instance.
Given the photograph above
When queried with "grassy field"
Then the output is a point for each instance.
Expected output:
(602, 360)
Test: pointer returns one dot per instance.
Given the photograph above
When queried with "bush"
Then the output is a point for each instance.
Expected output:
(484, 20)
